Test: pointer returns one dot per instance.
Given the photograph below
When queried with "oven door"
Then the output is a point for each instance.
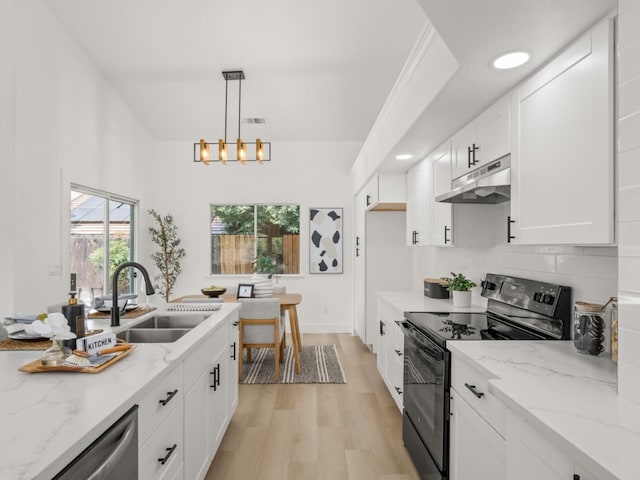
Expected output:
(426, 393)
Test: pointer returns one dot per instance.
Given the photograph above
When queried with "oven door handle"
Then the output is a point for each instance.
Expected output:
(114, 458)
(428, 348)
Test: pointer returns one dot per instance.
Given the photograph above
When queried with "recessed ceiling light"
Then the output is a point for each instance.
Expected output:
(512, 59)
(404, 156)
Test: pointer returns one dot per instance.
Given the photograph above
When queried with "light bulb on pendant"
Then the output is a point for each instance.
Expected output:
(204, 152)
(242, 151)
(259, 151)
(222, 151)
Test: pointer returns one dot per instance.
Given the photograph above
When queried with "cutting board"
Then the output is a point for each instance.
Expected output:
(37, 367)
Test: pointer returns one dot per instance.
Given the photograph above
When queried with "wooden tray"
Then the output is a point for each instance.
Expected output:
(37, 367)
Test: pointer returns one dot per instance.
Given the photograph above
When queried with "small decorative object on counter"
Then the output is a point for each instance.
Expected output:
(589, 328)
(614, 329)
(460, 286)
(55, 327)
(435, 288)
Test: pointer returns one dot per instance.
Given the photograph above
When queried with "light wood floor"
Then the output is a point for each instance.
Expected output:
(287, 432)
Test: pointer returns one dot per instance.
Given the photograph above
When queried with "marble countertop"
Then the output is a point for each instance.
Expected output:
(568, 397)
(49, 418)
(415, 301)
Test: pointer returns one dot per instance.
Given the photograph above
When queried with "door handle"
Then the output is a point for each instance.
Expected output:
(474, 148)
(357, 241)
(468, 157)
(381, 327)
(368, 199)
(474, 390)
(446, 230)
(509, 222)
(112, 460)
(398, 352)
(398, 390)
(357, 252)
(170, 451)
(170, 395)
(233, 349)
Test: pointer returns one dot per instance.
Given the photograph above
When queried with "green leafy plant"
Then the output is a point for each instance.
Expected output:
(167, 258)
(118, 253)
(458, 282)
(265, 264)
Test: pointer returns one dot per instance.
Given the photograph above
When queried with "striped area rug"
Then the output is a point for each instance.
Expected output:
(319, 364)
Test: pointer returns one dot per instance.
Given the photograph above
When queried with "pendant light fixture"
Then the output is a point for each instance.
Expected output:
(202, 150)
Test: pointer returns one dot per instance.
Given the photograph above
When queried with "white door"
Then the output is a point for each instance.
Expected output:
(563, 154)
(359, 307)
(477, 451)
(461, 143)
(441, 213)
(492, 132)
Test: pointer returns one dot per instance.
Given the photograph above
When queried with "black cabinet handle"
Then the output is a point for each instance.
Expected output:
(474, 149)
(357, 241)
(233, 350)
(398, 352)
(236, 323)
(399, 390)
(170, 451)
(216, 377)
(213, 383)
(576, 476)
(368, 199)
(416, 234)
(468, 157)
(509, 222)
(357, 252)
(170, 395)
(381, 327)
(474, 390)
(446, 230)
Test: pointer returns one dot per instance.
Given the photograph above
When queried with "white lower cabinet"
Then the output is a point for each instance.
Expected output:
(477, 451)
(161, 456)
(183, 418)
(390, 360)
(530, 456)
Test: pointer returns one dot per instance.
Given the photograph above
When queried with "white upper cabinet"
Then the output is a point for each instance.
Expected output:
(386, 192)
(419, 201)
(486, 138)
(441, 213)
(562, 157)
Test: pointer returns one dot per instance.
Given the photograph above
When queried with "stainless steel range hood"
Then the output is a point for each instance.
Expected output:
(490, 183)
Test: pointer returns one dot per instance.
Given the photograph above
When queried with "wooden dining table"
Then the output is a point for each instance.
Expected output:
(288, 303)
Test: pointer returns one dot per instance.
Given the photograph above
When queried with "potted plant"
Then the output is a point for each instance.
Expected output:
(264, 266)
(167, 258)
(460, 288)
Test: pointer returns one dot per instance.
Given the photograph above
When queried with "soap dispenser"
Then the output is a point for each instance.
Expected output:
(74, 313)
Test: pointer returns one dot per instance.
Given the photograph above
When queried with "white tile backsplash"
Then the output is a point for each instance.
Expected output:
(587, 266)
(629, 198)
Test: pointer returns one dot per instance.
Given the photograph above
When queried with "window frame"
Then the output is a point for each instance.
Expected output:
(133, 229)
(255, 234)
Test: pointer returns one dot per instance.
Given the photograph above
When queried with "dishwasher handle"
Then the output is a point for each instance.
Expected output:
(114, 457)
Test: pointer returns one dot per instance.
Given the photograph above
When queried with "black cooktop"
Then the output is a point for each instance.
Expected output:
(518, 309)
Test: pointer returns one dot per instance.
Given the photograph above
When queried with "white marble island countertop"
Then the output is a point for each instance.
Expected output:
(48, 418)
(569, 397)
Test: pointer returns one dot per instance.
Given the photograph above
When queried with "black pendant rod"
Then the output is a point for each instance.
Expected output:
(239, 103)
(226, 95)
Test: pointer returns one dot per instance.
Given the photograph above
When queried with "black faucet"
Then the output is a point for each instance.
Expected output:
(115, 310)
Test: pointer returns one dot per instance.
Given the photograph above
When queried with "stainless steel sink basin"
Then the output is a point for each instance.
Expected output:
(179, 320)
(152, 335)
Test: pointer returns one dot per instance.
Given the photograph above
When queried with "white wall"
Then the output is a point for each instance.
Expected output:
(70, 127)
(591, 272)
(308, 174)
(7, 166)
(629, 197)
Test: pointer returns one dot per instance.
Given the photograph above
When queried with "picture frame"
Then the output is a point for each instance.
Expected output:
(245, 290)
(325, 240)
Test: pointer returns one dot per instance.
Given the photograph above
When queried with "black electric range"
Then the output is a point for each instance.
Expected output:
(517, 309)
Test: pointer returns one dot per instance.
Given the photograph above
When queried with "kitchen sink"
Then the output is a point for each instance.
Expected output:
(172, 321)
(152, 335)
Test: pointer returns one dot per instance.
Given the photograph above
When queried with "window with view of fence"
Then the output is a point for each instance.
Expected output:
(240, 234)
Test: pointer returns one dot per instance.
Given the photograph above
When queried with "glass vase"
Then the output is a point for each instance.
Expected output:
(56, 354)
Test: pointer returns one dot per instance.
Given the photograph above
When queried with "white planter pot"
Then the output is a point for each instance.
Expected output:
(461, 299)
(263, 286)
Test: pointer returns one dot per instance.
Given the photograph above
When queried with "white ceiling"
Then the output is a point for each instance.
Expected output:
(315, 70)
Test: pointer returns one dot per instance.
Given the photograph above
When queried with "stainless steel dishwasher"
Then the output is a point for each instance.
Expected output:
(113, 456)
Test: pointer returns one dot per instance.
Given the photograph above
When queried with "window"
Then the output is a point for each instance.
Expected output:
(240, 234)
(100, 219)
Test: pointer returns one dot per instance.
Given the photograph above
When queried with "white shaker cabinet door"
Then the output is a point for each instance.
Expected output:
(477, 451)
(418, 204)
(563, 152)
(441, 213)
